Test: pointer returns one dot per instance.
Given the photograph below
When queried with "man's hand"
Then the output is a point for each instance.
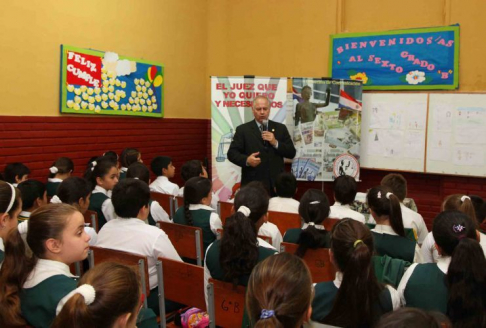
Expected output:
(268, 136)
(253, 160)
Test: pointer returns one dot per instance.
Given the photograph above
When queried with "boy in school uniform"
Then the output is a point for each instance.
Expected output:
(129, 233)
(285, 188)
(164, 170)
(345, 189)
(34, 195)
(16, 173)
(413, 220)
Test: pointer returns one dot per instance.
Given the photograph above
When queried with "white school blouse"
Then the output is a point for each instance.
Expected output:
(134, 236)
(164, 186)
(430, 253)
(340, 211)
(381, 228)
(412, 219)
(107, 206)
(283, 204)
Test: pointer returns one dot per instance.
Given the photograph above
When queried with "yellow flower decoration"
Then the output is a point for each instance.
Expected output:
(360, 77)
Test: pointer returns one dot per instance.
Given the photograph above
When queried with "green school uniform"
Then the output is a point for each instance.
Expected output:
(51, 188)
(426, 288)
(95, 203)
(293, 235)
(200, 219)
(396, 247)
(326, 292)
(123, 173)
(2, 254)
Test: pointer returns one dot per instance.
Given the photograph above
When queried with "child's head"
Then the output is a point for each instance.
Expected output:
(131, 198)
(279, 292)
(193, 168)
(461, 203)
(345, 189)
(102, 172)
(139, 171)
(286, 185)
(197, 190)
(397, 184)
(16, 173)
(130, 156)
(314, 206)
(112, 292)
(62, 167)
(33, 194)
(455, 235)
(162, 165)
(75, 191)
(351, 253)
(113, 156)
(413, 317)
(10, 207)
(385, 208)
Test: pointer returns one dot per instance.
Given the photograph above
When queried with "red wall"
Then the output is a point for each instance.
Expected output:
(38, 141)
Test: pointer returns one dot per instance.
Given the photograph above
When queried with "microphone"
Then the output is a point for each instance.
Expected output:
(265, 128)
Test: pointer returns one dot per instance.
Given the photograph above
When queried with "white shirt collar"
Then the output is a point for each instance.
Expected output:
(336, 203)
(123, 169)
(338, 279)
(25, 214)
(384, 229)
(162, 178)
(45, 269)
(54, 180)
(99, 189)
(2, 248)
(193, 207)
(443, 263)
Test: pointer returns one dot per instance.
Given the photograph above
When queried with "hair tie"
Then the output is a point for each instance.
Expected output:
(12, 198)
(93, 164)
(88, 292)
(315, 202)
(311, 224)
(245, 210)
(267, 314)
(388, 194)
(56, 200)
(457, 228)
(53, 169)
(357, 242)
(378, 195)
(463, 198)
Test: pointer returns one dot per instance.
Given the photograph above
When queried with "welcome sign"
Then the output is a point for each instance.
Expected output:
(425, 58)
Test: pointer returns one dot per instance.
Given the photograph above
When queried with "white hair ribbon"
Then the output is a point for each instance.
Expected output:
(463, 198)
(56, 200)
(12, 198)
(378, 195)
(388, 194)
(93, 164)
(88, 292)
(311, 224)
(315, 202)
(53, 169)
(245, 210)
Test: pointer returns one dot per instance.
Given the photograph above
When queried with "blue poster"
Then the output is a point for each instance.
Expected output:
(415, 59)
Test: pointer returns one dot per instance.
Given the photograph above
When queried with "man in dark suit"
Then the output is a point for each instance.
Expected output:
(259, 147)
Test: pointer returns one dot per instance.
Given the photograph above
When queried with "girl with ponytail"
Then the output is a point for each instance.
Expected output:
(10, 207)
(108, 295)
(355, 298)
(389, 233)
(458, 202)
(233, 257)
(288, 308)
(456, 284)
(197, 210)
(32, 286)
(127, 158)
(313, 209)
(61, 169)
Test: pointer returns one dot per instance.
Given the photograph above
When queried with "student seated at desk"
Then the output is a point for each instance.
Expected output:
(411, 219)
(195, 168)
(285, 188)
(16, 173)
(313, 209)
(389, 232)
(127, 158)
(164, 170)
(61, 169)
(345, 189)
(455, 285)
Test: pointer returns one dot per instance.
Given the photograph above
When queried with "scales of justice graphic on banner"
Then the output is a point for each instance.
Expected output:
(231, 105)
(326, 127)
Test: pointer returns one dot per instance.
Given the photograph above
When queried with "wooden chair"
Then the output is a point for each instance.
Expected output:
(284, 221)
(225, 210)
(98, 255)
(226, 304)
(317, 260)
(187, 240)
(179, 202)
(268, 239)
(165, 200)
(329, 223)
(91, 217)
(180, 282)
